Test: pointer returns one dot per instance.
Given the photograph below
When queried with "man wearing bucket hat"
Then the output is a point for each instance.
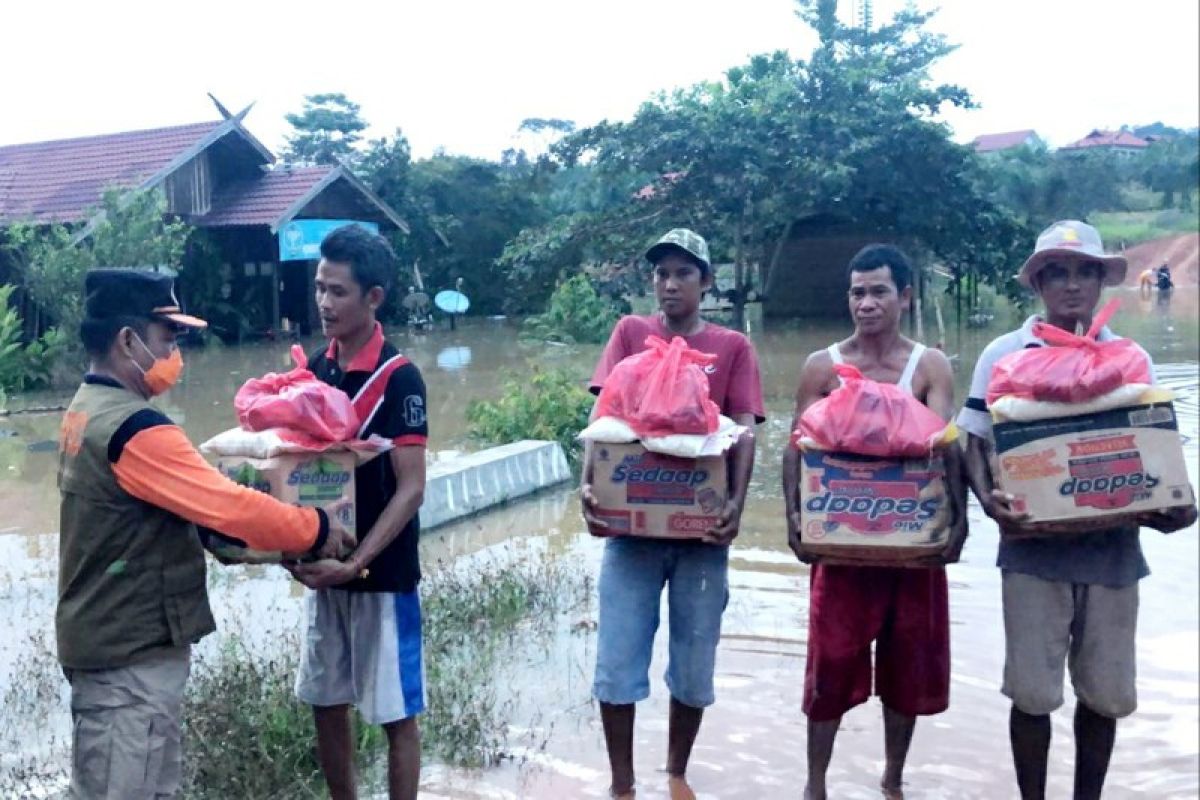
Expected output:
(634, 570)
(132, 596)
(1063, 596)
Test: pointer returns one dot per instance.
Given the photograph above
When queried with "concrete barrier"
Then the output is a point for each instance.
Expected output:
(466, 484)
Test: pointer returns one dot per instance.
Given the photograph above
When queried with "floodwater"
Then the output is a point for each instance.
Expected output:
(752, 742)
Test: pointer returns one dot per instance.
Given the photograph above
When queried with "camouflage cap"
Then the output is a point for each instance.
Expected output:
(683, 239)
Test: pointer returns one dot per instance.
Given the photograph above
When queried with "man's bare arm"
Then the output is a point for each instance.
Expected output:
(741, 465)
(940, 400)
(814, 377)
(996, 504)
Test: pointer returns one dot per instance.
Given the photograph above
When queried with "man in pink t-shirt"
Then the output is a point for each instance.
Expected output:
(635, 569)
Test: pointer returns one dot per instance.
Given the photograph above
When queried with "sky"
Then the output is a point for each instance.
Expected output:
(461, 75)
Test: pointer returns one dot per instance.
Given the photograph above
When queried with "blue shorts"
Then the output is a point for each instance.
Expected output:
(631, 581)
(363, 648)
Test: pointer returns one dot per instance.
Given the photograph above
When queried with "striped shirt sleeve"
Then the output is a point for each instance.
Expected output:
(975, 417)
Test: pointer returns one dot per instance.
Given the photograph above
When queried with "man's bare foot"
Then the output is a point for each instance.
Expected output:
(814, 794)
(891, 792)
(679, 788)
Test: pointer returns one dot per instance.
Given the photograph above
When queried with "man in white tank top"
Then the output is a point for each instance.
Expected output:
(904, 611)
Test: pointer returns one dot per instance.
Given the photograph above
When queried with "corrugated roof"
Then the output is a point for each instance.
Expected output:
(263, 200)
(1100, 138)
(61, 181)
(991, 142)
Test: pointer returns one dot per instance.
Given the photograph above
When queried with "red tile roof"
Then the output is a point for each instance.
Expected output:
(61, 181)
(1100, 138)
(263, 200)
(991, 142)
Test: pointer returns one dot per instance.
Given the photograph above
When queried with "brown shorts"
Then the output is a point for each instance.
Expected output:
(126, 728)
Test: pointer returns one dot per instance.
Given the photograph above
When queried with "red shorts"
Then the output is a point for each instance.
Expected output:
(905, 612)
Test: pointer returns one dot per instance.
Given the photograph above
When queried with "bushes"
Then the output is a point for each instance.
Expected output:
(550, 404)
(576, 313)
(28, 366)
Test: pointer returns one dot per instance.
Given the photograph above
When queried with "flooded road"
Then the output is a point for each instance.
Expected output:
(752, 742)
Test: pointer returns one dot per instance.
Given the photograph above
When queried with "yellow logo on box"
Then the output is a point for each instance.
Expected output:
(1035, 465)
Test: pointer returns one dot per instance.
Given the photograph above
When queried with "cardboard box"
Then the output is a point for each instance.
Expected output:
(640, 493)
(307, 479)
(1102, 468)
(868, 510)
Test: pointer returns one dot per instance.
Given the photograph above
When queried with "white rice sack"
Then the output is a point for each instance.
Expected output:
(696, 446)
(247, 444)
(1016, 409)
(239, 443)
(609, 430)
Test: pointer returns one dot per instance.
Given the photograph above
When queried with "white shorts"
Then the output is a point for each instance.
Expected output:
(363, 648)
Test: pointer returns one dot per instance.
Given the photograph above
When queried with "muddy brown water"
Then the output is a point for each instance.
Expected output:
(752, 742)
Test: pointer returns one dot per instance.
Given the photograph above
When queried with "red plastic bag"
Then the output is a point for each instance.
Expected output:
(305, 408)
(661, 391)
(872, 419)
(1076, 369)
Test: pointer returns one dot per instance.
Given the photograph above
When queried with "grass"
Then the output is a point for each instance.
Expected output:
(1135, 227)
(33, 754)
(475, 620)
(245, 734)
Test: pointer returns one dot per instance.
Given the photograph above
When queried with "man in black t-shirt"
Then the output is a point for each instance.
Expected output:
(363, 640)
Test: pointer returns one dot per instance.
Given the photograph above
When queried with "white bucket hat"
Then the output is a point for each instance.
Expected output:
(1072, 239)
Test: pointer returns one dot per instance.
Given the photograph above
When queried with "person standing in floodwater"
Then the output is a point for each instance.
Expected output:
(132, 592)
(363, 640)
(904, 611)
(1069, 600)
(634, 570)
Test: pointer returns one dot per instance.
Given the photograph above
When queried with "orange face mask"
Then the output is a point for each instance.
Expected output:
(163, 373)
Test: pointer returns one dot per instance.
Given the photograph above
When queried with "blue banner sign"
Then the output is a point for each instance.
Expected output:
(300, 239)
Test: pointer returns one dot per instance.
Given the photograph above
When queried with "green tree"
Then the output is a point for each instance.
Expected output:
(386, 166)
(326, 131)
(852, 130)
(129, 229)
(461, 211)
(477, 206)
(1172, 166)
(1158, 129)
(1039, 185)
(535, 135)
